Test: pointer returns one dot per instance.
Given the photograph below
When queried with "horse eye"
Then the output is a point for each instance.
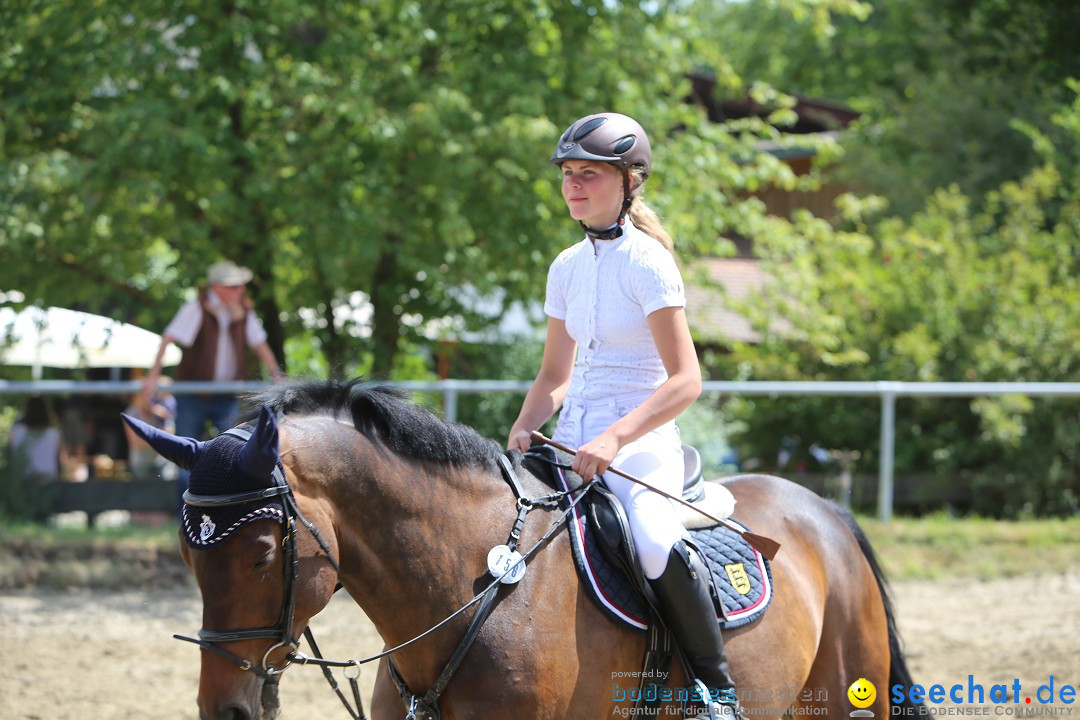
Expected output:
(262, 563)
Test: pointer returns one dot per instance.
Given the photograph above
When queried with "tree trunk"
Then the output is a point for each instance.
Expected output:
(386, 316)
(333, 343)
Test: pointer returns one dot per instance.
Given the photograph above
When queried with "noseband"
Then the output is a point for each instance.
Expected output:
(282, 631)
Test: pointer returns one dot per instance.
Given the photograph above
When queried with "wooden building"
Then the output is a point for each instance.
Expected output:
(737, 278)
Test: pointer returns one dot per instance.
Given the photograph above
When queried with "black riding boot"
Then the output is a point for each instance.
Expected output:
(683, 593)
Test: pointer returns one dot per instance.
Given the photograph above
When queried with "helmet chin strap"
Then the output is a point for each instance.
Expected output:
(611, 233)
(616, 230)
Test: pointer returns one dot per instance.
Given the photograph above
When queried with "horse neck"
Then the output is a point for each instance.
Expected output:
(414, 536)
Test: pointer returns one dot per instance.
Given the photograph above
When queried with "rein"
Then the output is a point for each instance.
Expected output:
(419, 707)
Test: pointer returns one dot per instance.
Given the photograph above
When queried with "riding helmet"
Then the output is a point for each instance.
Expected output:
(610, 138)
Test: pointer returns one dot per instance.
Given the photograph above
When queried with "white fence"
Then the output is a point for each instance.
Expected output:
(887, 391)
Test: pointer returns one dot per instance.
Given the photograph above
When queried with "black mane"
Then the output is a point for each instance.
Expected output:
(384, 414)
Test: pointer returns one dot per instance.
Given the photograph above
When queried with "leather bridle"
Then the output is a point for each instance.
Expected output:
(282, 631)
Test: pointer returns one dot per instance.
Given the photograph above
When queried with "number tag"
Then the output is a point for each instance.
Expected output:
(506, 564)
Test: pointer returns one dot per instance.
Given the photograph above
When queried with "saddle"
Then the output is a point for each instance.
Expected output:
(604, 555)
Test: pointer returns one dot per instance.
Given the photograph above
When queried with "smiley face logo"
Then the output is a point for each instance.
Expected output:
(862, 693)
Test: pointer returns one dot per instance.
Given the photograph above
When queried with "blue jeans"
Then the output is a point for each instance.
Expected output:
(192, 413)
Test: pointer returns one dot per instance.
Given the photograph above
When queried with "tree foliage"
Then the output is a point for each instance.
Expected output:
(940, 83)
(381, 166)
(962, 291)
(955, 263)
(392, 148)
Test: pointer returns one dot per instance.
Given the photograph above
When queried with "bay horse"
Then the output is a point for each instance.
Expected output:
(401, 509)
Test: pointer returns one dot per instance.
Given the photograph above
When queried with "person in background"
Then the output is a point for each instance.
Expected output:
(77, 428)
(36, 443)
(160, 412)
(214, 331)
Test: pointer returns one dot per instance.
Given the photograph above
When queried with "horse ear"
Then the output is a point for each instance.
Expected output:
(260, 453)
(181, 450)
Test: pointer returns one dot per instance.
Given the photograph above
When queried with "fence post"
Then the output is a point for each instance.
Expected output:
(885, 462)
(450, 398)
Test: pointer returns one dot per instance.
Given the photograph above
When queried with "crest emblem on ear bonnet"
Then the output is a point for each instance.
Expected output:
(223, 466)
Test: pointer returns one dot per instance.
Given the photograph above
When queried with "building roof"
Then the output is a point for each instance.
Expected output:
(813, 115)
(709, 299)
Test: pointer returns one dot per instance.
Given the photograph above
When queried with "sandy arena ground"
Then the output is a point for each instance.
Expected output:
(112, 656)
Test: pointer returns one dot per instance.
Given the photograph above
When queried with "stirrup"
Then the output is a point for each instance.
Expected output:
(725, 710)
(716, 709)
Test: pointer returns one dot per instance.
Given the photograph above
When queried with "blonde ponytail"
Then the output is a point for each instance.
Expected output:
(648, 222)
(645, 218)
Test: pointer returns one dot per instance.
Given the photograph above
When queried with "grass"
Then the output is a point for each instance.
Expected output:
(925, 548)
(14, 531)
(938, 545)
(51, 558)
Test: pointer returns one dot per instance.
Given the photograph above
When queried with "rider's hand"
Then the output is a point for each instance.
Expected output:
(594, 457)
(519, 439)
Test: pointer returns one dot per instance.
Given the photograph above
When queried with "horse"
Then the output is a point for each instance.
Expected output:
(401, 508)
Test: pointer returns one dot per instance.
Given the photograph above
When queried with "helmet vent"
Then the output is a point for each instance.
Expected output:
(624, 144)
(588, 127)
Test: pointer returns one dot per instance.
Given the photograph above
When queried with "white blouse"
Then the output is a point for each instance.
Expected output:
(604, 293)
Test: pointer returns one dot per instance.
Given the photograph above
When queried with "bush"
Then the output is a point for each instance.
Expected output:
(22, 497)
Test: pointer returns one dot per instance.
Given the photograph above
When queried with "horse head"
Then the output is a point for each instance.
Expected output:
(261, 574)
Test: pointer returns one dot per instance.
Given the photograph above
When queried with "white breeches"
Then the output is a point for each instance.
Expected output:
(655, 458)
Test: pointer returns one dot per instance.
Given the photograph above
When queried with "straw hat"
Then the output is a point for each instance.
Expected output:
(228, 273)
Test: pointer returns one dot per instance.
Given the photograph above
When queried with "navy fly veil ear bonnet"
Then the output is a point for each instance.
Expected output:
(228, 469)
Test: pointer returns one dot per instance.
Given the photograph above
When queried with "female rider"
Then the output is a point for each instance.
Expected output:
(620, 363)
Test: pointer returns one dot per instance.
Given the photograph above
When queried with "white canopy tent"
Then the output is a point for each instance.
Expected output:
(59, 338)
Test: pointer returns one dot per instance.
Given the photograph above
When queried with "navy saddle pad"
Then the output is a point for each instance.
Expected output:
(741, 575)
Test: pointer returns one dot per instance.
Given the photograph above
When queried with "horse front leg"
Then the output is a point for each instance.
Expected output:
(386, 701)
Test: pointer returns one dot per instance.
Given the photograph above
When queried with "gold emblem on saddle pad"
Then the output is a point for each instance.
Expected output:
(737, 575)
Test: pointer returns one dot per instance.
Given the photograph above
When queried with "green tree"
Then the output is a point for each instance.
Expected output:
(939, 83)
(963, 291)
(392, 148)
(378, 165)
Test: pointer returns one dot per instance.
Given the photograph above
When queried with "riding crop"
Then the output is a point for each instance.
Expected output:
(766, 546)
